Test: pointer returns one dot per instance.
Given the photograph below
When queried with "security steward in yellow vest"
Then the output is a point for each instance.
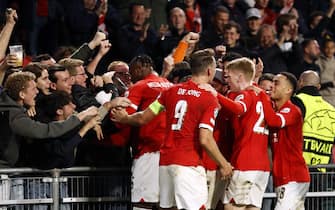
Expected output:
(319, 120)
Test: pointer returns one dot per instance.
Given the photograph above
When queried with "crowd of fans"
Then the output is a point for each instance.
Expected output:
(272, 30)
(85, 60)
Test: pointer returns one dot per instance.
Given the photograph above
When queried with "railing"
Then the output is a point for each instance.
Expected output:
(72, 188)
(86, 188)
(321, 195)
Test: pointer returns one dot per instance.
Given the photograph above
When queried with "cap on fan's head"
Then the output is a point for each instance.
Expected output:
(253, 13)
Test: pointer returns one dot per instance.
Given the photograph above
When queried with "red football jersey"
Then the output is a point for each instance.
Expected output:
(223, 135)
(287, 142)
(188, 108)
(149, 137)
(250, 133)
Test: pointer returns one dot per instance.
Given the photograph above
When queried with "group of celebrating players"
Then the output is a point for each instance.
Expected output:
(188, 132)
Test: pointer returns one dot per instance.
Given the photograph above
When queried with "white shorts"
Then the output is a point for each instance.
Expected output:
(246, 188)
(182, 186)
(216, 188)
(145, 178)
(291, 196)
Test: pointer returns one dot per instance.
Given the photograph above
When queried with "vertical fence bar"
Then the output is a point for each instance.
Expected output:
(55, 173)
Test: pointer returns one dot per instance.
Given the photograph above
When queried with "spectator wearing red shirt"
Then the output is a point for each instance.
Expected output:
(268, 15)
(193, 16)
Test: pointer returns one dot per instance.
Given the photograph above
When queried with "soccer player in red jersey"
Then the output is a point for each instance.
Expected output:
(249, 154)
(147, 139)
(290, 173)
(222, 130)
(190, 113)
(216, 186)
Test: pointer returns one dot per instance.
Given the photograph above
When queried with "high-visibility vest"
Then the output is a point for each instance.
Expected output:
(318, 129)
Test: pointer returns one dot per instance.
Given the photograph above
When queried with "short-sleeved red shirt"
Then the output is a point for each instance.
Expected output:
(149, 137)
(250, 134)
(188, 108)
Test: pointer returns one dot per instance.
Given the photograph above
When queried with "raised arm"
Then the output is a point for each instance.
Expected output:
(22, 125)
(85, 51)
(234, 107)
(272, 118)
(11, 18)
(104, 48)
(137, 118)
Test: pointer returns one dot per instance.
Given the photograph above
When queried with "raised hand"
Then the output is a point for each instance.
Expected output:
(119, 115)
(220, 50)
(191, 38)
(332, 4)
(208, 88)
(105, 46)
(259, 66)
(98, 38)
(11, 16)
(92, 123)
(121, 102)
(107, 77)
(255, 88)
(97, 81)
(11, 60)
(118, 102)
(144, 32)
(168, 65)
(88, 113)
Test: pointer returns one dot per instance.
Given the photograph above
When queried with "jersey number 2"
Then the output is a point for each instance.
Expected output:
(179, 114)
(258, 128)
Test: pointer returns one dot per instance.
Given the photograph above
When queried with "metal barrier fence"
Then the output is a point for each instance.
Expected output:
(81, 188)
(85, 188)
(321, 195)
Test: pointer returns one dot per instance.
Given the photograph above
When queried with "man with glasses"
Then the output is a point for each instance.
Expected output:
(92, 152)
(82, 95)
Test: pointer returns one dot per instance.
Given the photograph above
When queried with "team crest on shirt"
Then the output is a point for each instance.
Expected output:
(285, 110)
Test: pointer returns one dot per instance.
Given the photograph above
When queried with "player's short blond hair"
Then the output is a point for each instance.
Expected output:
(244, 65)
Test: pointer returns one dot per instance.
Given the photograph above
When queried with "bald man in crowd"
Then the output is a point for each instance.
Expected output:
(318, 132)
(318, 116)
